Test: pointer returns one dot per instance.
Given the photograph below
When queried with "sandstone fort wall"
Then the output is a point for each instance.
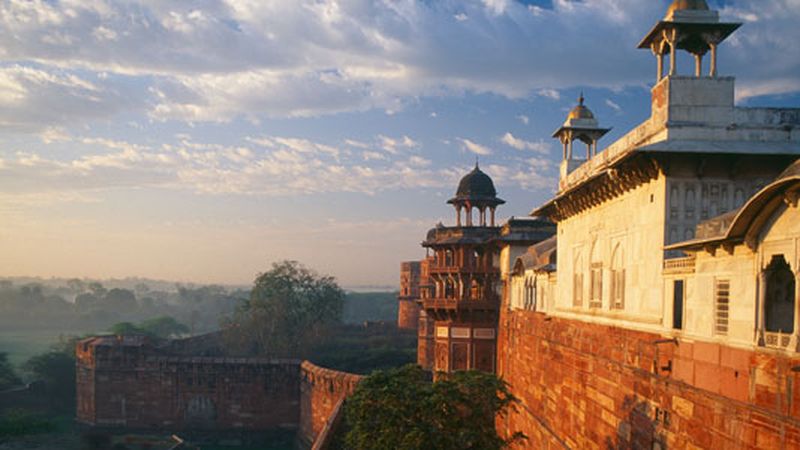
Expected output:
(321, 390)
(135, 387)
(589, 386)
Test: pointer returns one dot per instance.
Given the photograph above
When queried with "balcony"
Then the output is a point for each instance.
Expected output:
(679, 265)
(452, 304)
(466, 269)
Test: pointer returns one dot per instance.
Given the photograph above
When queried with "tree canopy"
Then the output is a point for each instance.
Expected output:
(56, 370)
(158, 327)
(8, 378)
(289, 308)
(402, 409)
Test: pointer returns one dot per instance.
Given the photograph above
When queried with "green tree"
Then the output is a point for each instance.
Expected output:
(121, 300)
(8, 378)
(289, 309)
(159, 327)
(123, 328)
(56, 370)
(163, 327)
(402, 409)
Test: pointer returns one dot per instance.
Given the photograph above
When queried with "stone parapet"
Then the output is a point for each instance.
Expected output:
(584, 385)
(321, 390)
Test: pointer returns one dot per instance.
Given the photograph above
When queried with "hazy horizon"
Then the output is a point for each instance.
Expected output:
(202, 141)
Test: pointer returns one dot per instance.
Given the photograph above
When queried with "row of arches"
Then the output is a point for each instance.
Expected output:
(596, 270)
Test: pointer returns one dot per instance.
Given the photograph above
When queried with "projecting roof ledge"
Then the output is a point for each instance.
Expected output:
(723, 147)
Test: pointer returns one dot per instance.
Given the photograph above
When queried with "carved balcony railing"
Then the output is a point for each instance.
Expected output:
(453, 304)
(679, 265)
(776, 339)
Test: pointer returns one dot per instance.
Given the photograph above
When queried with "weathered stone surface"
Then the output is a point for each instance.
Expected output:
(124, 382)
(584, 385)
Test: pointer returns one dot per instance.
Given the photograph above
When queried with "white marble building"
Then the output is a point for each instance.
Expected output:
(684, 225)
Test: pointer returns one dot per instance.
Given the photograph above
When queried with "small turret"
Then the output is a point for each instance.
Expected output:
(689, 25)
(476, 190)
(581, 125)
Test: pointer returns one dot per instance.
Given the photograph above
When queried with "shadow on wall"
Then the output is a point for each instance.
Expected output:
(641, 428)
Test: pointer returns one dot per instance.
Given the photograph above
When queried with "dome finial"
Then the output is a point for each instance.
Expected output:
(580, 99)
(476, 162)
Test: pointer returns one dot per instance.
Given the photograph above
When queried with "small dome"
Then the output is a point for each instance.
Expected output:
(679, 5)
(476, 184)
(580, 111)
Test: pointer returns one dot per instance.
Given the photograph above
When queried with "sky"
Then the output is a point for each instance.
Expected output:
(203, 140)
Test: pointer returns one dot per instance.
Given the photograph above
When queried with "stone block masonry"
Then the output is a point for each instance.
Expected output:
(321, 390)
(590, 386)
(407, 314)
(125, 382)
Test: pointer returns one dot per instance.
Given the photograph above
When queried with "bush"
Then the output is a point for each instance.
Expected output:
(20, 422)
(8, 378)
(402, 409)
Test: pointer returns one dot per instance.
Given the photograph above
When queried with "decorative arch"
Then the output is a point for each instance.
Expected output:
(577, 279)
(595, 277)
(618, 278)
(780, 302)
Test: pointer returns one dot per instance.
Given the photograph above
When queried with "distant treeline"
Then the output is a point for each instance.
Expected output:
(92, 306)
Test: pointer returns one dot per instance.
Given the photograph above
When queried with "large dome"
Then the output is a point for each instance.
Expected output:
(476, 188)
(476, 184)
(679, 5)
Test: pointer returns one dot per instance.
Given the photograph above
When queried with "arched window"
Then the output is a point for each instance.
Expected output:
(530, 295)
(617, 279)
(577, 280)
(596, 278)
(475, 290)
(779, 304)
(449, 289)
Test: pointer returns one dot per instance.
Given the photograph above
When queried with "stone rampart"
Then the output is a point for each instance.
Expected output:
(321, 390)
(129, 382)
(590, 386)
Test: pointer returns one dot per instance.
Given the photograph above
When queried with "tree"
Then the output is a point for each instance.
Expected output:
(56, 370)
(159, 327)
(402, 409)
(163, 327)
(288, 311)
(7, 376)
(125, 328)
(121, 300)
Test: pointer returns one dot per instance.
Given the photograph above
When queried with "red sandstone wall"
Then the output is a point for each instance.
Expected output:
(320, 391)
(425, 344)
(585, 386)
(134, 388)
(407, 314)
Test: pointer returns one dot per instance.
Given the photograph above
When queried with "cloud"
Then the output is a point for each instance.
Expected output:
(520, 144)
(552, 94)
(524, 119)
(392, 145)
(35, 99)
(221, 59)
(611, 104)
(475, 147)
(264, 166)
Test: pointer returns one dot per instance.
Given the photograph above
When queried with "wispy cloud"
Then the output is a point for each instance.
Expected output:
(520, 144)
(613, 105)
(474, 147)
(218, 60)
